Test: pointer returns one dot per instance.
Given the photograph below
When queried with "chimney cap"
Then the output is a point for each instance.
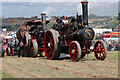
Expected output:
(43, 14)
(84, 2)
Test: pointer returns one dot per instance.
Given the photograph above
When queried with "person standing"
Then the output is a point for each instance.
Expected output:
(65, 21)
(2, 46)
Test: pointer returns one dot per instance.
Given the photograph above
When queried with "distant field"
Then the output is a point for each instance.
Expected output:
(14, 67)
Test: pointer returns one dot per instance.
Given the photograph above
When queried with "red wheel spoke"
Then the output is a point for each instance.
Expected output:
(76, 50)
(47, 49)
(51, 48)
(74, 46)
(51, 41)
(100, 54)
(49, 37)
(103, 50)
(50, 44)
(50, 53)
(73, 50)
(74, 56)
(101, 46)
(47, 42)
(99, 50)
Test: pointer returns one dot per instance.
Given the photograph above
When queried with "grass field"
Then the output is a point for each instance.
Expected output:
(14, 67)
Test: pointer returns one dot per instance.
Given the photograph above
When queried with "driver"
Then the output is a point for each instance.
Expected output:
(59, 20)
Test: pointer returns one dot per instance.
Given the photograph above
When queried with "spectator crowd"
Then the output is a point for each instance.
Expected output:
(113, 45)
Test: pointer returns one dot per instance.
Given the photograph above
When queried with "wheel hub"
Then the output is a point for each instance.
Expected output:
(48, 44)
(73, 51)
(99, 50)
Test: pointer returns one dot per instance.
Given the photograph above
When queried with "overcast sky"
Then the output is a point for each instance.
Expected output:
(119, 6)
(58, 0)
(15, 8)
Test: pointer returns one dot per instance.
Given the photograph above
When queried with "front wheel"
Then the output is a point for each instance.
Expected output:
(75, 51)
(100, 50)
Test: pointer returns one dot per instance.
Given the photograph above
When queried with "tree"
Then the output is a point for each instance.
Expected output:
(92, 16)
(112, 24)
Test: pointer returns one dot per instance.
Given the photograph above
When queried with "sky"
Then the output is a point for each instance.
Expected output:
(59, 0)
(17, 8)
(119, 6)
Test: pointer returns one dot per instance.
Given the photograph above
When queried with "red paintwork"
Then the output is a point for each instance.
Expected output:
(12, 20)
(33, 37)
(49, 51)
(106, 36)
(15, 52)
(12, 53)
(7, 51)
(113, 33)
(74, 56)
(40, 48)
(36, 21)
(4, 47)
(99, 50)
(67, 42)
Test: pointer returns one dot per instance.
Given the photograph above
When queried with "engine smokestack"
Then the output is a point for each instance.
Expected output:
(43, 17)
(85, 12)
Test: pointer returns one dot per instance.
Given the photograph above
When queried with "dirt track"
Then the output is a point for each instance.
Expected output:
(63, 68)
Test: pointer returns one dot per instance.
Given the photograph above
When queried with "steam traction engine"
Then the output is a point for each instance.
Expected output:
(30, 35)
(74, 38)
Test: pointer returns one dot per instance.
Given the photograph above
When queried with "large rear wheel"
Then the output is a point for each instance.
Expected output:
(100, 50)
(51, 47)
(34, 48)
(75, 51)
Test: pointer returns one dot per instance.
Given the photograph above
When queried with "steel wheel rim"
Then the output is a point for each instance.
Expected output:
(7, 51)
(49, 45)
(31, 50)
(73, 50)
(99, 50)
